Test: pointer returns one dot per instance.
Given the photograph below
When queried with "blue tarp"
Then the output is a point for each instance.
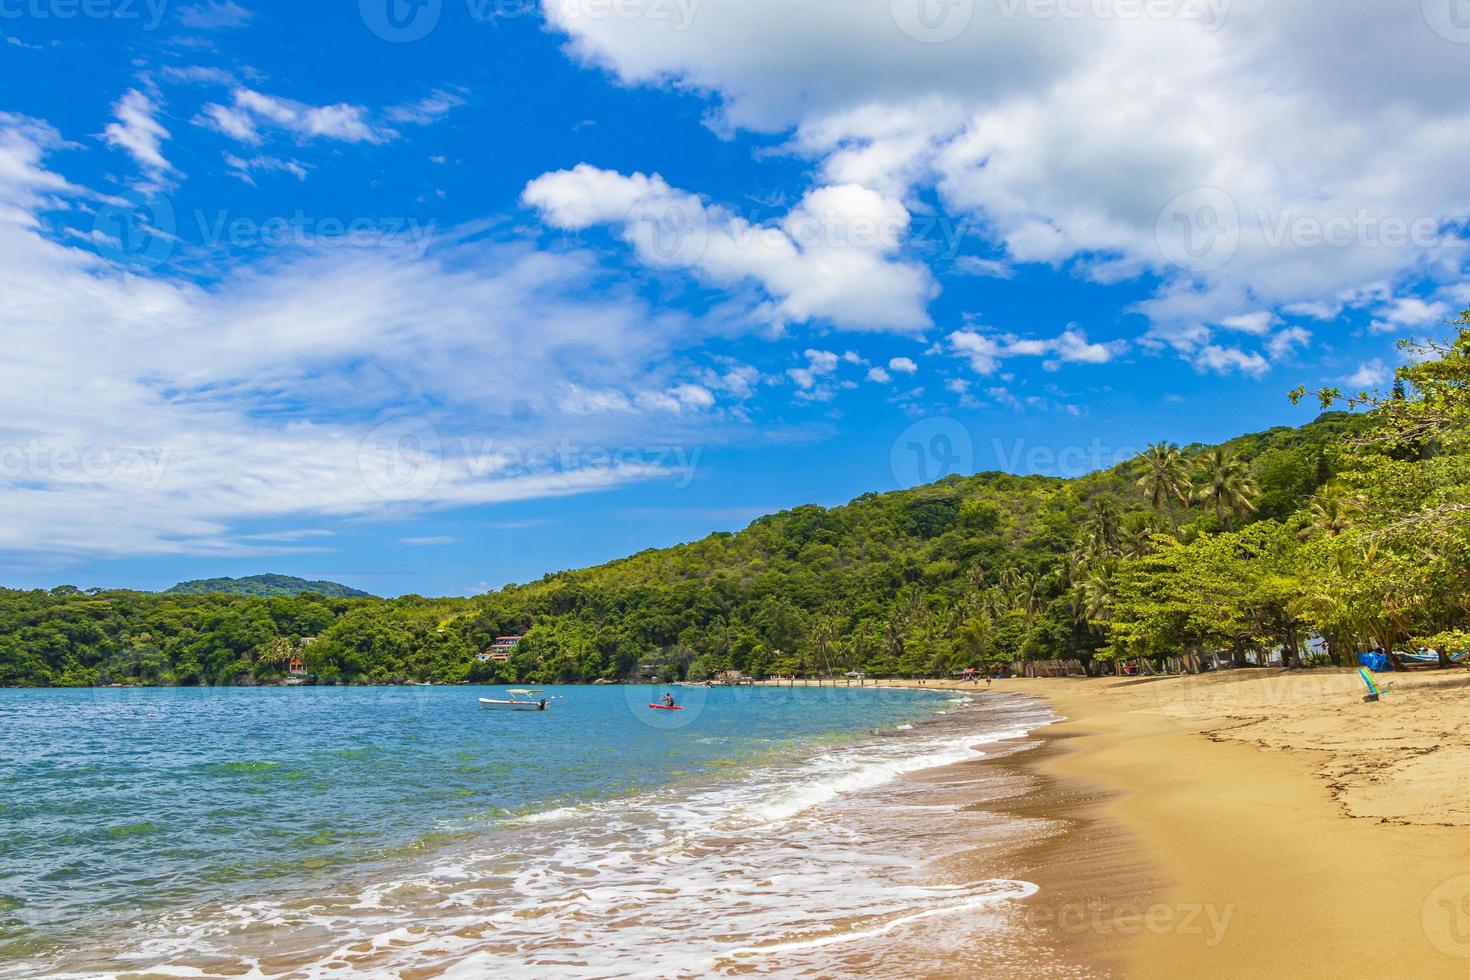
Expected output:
(1376, 662)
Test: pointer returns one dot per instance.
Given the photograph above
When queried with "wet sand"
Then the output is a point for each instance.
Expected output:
(1252, 824)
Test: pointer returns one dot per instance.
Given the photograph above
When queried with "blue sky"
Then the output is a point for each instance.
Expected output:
(430, 297)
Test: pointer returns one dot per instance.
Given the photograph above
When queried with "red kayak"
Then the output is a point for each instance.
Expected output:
(665, 707)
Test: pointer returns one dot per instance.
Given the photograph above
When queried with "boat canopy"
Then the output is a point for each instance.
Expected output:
(517, 690)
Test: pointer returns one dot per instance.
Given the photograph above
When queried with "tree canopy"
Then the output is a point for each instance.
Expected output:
(1355, 527)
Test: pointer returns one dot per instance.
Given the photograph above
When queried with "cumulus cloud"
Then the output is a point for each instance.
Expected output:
(1284, 342)
(1224, 360)
(985, 351)
(819, 364)
(1242, 174)
(832, 257)
(1408, 314)
(1372, 374)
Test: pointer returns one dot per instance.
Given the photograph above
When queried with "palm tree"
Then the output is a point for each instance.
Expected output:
(972, 639)
(1104, 530)
(1096, 593)
(1165, 480)
(1031, 593)
(1330, 516)
(824, 641)
(275, 653)
(1225, 483)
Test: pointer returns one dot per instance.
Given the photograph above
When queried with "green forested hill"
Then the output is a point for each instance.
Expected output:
(266, 585)
(1356, 527)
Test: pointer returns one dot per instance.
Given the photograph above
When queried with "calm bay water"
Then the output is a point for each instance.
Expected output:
(218, 827)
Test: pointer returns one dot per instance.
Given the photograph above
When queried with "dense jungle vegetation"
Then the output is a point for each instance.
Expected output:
(1355, 527)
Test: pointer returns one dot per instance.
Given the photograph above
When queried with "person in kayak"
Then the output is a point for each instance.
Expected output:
(668, 700)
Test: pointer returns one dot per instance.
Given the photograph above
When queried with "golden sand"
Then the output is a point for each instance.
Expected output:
(1263, 824)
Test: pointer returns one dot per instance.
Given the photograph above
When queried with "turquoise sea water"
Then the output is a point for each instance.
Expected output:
(122, 806)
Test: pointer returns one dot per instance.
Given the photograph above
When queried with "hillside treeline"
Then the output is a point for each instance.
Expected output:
(1355, 528)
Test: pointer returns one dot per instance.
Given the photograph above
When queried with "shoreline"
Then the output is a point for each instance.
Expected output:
(1250, 824)
(1232, 826)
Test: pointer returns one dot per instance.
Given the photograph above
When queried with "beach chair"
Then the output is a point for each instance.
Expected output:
(1374, 691)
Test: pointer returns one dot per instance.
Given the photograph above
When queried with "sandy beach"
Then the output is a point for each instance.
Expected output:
(1254, 824)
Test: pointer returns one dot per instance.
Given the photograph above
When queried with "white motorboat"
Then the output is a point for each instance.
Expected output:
(517, 699)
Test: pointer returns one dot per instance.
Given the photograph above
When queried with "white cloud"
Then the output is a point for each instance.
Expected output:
(1073, 347)
(258, 399)
(820, 363)
(214, 15)
(985, 351)
(431, 108)
(903, 365)
(138, 133)
(1252, 323)
(832, 257)
(242, 167)
(732, 378)
(1409, 313)
(1097, 143)
(693, 396)
(1373, 374)
(1286, 341)
(1224, 360)
(198, 75)
(234, 123)
(879, 375)
(252, 110)
(430, 541)
(969, 265)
